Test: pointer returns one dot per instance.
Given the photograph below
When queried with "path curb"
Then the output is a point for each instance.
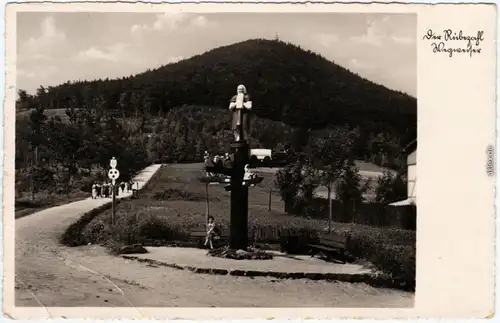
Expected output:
(370, 279)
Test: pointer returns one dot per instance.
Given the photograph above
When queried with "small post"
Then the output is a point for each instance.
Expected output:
(113, 205)
(270, 191)
(207, 204)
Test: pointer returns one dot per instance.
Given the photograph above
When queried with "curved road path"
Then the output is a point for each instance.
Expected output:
(51, 275)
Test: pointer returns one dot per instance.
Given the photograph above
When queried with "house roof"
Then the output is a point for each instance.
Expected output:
(408, 201)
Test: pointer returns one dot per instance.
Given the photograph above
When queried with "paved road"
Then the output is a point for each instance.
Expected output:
(51, 275)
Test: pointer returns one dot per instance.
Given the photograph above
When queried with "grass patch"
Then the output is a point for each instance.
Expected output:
(177, 194)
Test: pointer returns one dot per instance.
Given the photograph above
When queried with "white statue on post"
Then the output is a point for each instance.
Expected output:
(249, 176)
(241, 105)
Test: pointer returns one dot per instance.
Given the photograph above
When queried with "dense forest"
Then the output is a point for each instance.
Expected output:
(177, 111)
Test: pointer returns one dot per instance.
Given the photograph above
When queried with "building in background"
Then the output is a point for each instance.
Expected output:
(411, 162)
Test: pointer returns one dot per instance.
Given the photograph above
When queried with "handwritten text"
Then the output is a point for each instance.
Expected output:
(450, 42)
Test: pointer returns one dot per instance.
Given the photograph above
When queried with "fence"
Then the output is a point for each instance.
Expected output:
(373, 214)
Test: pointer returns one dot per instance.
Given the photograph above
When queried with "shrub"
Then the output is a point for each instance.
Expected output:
(97, 230)
(157, 228)
(393, 251)
(75, 235)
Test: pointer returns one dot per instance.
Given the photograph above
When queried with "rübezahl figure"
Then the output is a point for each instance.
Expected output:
(241, 105)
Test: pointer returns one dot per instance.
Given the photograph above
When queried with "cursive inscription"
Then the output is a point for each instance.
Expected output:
(452, 42)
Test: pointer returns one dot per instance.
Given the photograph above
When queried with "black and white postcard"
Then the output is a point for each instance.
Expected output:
(249, 160)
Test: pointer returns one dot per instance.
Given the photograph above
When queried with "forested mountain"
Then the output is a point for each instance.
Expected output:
(287, 84)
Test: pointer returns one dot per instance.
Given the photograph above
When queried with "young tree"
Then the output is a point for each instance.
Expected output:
(24, 101)
(288, 181)
(350, 187)
(390, 188)
(330, 153)
(36, 139)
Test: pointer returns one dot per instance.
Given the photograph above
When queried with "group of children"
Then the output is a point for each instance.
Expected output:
(210, 160)
(105, 189)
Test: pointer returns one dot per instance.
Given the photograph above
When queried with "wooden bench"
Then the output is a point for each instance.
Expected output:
(199, 235)
(330, 245)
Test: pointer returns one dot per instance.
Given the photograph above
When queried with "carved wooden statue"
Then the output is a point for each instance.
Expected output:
(241, 106)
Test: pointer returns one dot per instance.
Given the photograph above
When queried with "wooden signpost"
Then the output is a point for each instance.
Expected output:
(240, 105)
(113, 174)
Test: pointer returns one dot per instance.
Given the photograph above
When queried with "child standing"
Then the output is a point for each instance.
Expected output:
(210, 232)
(94, 191)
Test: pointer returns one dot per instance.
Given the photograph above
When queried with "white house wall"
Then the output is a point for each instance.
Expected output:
(412, 158)
(412, 180)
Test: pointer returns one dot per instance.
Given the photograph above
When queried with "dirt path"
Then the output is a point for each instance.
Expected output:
(48, 274)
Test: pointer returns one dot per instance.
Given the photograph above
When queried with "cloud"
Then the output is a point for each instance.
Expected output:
(173, 21)
(360, 65)
(169, 20)
(113, 53)
(49, 38)
(375, 33)
(200, 22)
(380, 31)
(95, 53)
(403, 40)
(25, 74)
(174, 59)
(327, 40)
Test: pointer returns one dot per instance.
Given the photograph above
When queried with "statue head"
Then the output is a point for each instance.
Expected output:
(241, 89)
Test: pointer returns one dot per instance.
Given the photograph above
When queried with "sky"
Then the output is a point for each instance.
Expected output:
(55, 47)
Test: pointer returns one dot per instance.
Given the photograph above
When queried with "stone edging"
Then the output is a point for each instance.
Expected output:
(370, 279)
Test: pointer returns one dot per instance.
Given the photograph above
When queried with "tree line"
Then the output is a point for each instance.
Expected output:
(59, 156)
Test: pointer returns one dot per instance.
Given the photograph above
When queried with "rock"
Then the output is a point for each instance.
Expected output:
(237, 272)
(132, 249)
(241, 252)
